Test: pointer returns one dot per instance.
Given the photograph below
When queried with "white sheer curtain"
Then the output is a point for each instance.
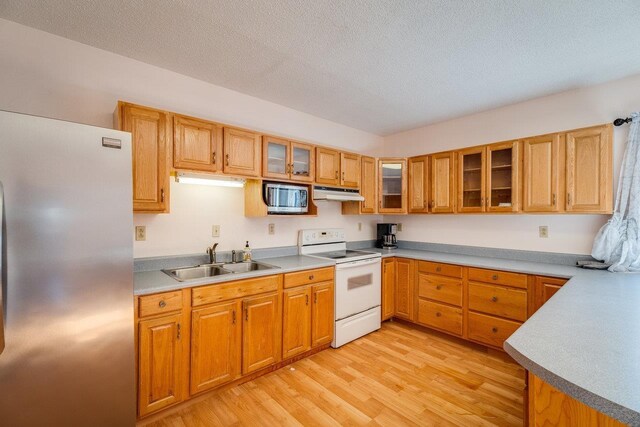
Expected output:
(617, 241)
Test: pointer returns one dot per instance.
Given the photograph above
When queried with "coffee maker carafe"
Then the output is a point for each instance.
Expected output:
(387, 236)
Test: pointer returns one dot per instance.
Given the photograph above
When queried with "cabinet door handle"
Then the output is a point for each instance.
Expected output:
(554, 199)
(178, 330)
(246, 314)
(213, 157)
(336, 174)
(433, 204)
(233, 317)
(226, 158)
(569, 198)
(162, 304)
(438, 287)
(438, 314)
(162, 195)
(494, 299)
(494, 330)
(315, 298)
(306, 299)
(481, 202)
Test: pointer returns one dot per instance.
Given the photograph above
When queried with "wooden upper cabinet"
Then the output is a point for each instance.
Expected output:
(502, 182)
(541, 173)
(404, 288)
(197, 145)
(589, 170)
(261, 332)
(369, 185)
(443, 182)
(388, 287)
(242, 152)
(151, 138)
(296, 323)
(418, 184)
(392, 185)
(322, 316)
(327, 166)
(471, 179)
(215, 345)
(350, 167)
(160, 363)
(282, 159)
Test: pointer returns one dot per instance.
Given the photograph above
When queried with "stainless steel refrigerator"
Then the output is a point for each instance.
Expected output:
(66, 336)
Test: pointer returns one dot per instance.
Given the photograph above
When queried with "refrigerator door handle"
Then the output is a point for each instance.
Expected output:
(3, 259)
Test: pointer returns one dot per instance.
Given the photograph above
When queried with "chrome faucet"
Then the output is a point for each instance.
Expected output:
(234, 256)
(212, 253)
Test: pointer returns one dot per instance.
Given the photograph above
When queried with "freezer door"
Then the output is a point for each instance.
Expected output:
(2, 268)
(68, 354)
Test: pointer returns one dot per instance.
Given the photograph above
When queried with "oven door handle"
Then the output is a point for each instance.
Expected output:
(355, 264)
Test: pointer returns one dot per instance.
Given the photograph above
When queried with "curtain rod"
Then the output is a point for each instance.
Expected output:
(620, 122)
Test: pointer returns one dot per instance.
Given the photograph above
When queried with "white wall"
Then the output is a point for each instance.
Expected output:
(47, 75)
(568, 110)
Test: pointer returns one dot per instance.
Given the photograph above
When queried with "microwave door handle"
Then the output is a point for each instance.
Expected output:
(3, 265)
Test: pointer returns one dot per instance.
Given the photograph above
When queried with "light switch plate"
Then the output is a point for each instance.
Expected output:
(141, 233)
(215, 231)
(272, 228)
(399, 226)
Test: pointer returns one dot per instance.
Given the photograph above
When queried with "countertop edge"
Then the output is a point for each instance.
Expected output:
(595, 401)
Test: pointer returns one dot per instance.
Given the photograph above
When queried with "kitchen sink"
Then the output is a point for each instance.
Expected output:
(212, 270)
(244, 267)
(197, 272)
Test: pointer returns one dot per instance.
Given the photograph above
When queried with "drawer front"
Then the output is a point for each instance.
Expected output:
(231, 290)
(307, 277)
(440, 316)
(165, 302)
(490, 330)
(498, 300)
(439, 288)
(517, 280)
(440, 269)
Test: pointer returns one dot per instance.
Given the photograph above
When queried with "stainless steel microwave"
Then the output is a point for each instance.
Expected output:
(285, 198)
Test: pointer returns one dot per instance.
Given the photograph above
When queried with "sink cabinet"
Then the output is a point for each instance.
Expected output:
(194, 340)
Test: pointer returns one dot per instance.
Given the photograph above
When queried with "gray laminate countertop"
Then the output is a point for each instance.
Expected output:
(151, 282)
(585, 340)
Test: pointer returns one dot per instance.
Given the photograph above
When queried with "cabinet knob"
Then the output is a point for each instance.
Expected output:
(162, 195)
(438, 268)
(438, 287)
(336, 174)
(162, 304)
(494, 299)
(311, 277)
(494, 329)
(226, 157)
(438, 314)
(494, 277)
(213, 157)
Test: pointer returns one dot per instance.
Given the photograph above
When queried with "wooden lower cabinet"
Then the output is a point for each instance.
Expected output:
(215, 345)
(549, 406)
(404, 288)
(261, 333)
(160, 374)
(490, 330)
(544, 289)
(296, 333)
(440, 316)
(388, 287)
(322, 314)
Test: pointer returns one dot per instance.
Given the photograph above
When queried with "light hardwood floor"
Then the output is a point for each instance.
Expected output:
(394, 377)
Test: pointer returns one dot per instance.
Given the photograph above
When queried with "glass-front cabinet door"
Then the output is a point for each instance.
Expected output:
(392, 185)
(471, 173)
(502, 177)
(275, 157)
(303, 162)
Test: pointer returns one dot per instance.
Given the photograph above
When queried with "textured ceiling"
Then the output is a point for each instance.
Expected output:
(380, 66)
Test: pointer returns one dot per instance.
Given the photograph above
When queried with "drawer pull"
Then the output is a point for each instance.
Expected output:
(162, 304)
(438, 287)
(438, 269)
(494, 330)
(311, 277)
(494, 299)
(494, 277)
(438, 314)
(233, 317)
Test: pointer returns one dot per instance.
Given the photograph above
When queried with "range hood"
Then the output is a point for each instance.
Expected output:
(336, 194)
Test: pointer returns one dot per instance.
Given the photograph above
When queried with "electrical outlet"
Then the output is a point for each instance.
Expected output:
(272, 228)
(215, 231)
(141, 233)
(543, 230)
(399, 226)
(359, 226)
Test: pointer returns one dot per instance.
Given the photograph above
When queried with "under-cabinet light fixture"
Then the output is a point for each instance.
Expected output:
(211, 180)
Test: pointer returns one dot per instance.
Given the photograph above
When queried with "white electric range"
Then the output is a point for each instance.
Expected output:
(357, 283)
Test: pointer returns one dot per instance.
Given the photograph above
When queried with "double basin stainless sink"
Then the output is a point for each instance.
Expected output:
(212, 270)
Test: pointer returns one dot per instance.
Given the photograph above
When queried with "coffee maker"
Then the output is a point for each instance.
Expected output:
(387, 236)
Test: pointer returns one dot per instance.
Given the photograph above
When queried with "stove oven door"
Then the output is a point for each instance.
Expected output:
(358, 285)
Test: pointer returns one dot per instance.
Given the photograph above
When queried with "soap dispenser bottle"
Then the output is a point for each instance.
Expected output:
(247, 252)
